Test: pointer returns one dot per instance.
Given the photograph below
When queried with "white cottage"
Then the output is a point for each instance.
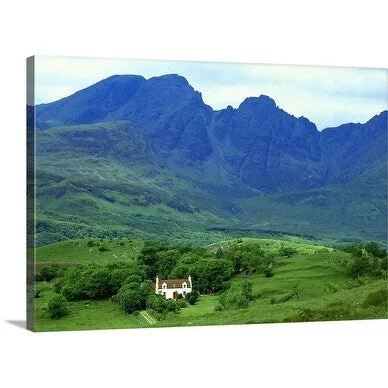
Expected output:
(170, 288)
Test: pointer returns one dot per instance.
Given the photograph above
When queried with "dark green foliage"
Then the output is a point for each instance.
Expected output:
(179, 205)
(238, 296)
(378, 298)
(287, 251)
(156, 303)
(181, 303)
(162, 306)
(245, 259)
(165, 262)
(133, 295)
(47, 273)
(268, 265)
(96, 282)
(192, 297)
(57, 307)
(354, 248)
(149, 256)
(373, 249)
(210, 274)
(334, 312)
(103, 248)
(364, 265)
(268, 271)
(368, 259)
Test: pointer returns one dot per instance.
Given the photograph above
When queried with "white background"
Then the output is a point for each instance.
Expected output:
(292, 32)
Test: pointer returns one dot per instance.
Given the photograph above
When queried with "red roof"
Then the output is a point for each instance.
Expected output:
(174, 283)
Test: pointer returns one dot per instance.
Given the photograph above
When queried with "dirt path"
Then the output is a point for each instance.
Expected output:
(148, 317)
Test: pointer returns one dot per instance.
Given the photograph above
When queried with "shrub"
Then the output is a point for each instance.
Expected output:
(192, 297)
(364, 265)
(47, 273)
(162, 306)
(377, 298)
(57, 307)
(90, 243)
(133, 296)
(374, 249)
(268, 271)
(287, 251)
(181, 303)
(354, 248)
(333, 312)
(97, 282)
(172, 306)
(156, 303)
(103, 248)
(238, 296)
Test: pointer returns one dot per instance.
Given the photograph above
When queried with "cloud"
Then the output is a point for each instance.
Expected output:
(328, 96)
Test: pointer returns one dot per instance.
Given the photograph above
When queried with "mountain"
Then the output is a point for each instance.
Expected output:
(238, 167)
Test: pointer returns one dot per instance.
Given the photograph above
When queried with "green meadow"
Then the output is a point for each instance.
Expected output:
(310, 285)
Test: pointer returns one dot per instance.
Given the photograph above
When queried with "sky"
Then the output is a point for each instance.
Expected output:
(327, 96)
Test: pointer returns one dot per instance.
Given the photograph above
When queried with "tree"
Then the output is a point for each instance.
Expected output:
(133, 295)
(287, 251)
(47, 273)
(354, 248)
(192, 297)
(57, 307)
(238, 296)
(210, 274)
(373, 249)
(364, 265)
(149, 256)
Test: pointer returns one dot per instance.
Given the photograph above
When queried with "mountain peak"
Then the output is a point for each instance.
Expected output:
(175, 79)
(261, 102)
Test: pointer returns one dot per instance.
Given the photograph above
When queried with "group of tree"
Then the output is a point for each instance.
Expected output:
(237, 296)
(367, 259)
(130, 283)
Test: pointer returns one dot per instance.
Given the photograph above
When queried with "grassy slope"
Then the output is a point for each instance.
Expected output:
(354, 211)
(313, 276)
(78, 252)
(106, 180)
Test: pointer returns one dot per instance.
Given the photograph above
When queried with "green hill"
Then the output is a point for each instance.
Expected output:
(309, 286)
(106, 180)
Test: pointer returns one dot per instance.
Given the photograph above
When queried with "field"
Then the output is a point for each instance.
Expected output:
(310, 285)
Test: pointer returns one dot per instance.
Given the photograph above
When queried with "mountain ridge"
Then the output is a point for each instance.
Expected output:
(252, 161)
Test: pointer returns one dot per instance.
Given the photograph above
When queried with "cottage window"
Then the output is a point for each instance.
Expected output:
(184, 285)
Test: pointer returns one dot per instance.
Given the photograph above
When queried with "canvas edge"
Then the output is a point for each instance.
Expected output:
(30, 193)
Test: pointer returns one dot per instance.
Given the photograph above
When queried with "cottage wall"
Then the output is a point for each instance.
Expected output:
(168, 293)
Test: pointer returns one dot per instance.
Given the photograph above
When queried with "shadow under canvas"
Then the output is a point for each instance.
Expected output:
(22, 324)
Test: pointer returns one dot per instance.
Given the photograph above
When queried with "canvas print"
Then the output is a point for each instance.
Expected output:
(176, 193)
